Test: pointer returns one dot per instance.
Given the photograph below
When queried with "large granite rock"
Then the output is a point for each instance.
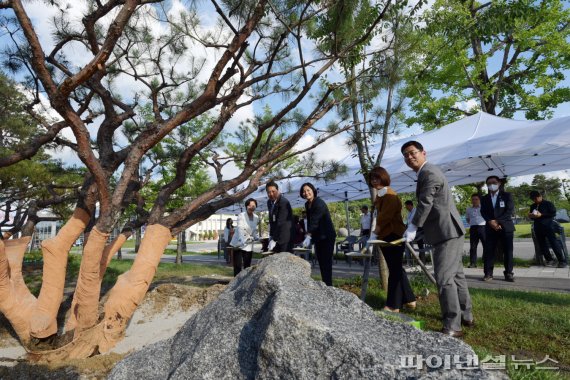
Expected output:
(273, 321)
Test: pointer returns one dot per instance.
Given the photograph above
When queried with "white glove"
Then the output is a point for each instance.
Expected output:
(271, 244)
(307, 242)
(410, 233)
(372, 236)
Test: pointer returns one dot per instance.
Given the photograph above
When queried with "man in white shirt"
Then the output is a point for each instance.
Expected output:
(476, 228)
(365, 221)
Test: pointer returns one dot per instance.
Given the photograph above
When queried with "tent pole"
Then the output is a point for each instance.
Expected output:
(346, 210)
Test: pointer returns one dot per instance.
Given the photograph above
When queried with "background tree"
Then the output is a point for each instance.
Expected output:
(550, 187)
(500, 57)
(34, 184)
(378, 80)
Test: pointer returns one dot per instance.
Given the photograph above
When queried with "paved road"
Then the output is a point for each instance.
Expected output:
(531, 279)
(523, 248)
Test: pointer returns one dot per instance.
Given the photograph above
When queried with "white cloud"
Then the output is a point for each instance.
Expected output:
(332, 149)
(467, 105)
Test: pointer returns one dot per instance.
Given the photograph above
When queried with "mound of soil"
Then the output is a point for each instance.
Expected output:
(162, 313)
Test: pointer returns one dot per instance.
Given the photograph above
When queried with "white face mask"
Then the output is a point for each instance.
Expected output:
(493, 187)
(382, 191)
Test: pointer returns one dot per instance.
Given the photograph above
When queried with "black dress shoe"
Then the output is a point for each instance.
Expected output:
(562, 265)
(467, 323)
(509, 277)
(453, 333)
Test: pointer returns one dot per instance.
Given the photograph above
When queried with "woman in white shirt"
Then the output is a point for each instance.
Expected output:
(246, 233)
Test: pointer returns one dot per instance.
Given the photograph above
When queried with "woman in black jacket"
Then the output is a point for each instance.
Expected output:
(320, 230)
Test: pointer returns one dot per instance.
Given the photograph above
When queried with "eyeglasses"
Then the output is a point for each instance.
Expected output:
(411, 153)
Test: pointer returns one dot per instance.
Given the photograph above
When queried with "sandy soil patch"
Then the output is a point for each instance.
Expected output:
(163, 312)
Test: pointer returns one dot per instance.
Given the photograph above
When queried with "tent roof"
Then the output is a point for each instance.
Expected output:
(468, 150)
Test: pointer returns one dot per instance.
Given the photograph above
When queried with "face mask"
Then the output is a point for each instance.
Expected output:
(493, 187)
(382, 191)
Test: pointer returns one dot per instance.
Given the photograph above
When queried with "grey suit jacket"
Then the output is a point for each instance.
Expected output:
(436, 211)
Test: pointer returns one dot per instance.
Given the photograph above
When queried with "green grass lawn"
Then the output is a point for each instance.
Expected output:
(33, 274)
(528, 325)
(166, 270)
(523, 230)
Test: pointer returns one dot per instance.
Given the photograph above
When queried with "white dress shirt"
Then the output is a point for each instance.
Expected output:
(411, 216)
(365, 221)
(494, 198)
(473, 216)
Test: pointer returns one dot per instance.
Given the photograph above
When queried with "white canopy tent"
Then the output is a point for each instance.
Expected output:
(468, 150)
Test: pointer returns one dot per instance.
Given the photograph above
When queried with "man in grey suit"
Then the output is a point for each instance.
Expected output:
(437, 214)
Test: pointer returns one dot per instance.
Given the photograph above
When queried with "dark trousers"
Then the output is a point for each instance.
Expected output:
(544, 234)
(493, 237)
(399, 289)
(286, 247)
(476, 234)
(324, 250)
(239, 257)
(421, 251)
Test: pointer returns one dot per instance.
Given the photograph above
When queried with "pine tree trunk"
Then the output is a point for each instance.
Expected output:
(16, 302)
(132, 286)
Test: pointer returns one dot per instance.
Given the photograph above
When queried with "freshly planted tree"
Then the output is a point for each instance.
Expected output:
(253, 58)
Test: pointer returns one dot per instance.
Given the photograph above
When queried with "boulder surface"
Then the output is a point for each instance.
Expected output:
(274, 321)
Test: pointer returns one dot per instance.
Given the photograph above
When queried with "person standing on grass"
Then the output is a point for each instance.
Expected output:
(246, 233)
(389, 227)
(437, 214)
(476, 229)
(320, 230)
